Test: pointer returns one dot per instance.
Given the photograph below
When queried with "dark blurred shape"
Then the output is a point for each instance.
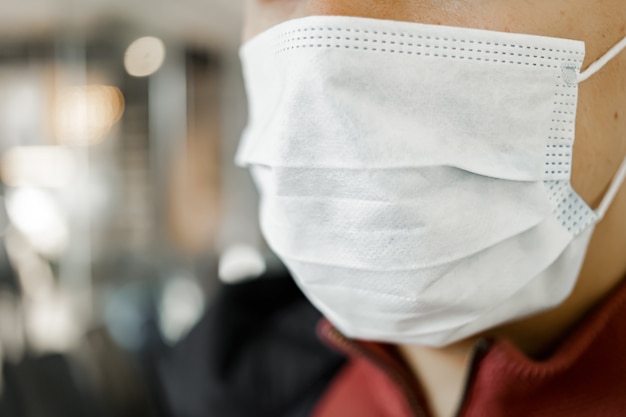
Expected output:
(27, 50)
(118, 377)
(8, 278)
(45, 387)
(254, 354)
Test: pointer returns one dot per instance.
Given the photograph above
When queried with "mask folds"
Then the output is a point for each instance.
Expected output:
(415, 179)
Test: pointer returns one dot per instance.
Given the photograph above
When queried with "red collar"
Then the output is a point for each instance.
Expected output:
(586, 375)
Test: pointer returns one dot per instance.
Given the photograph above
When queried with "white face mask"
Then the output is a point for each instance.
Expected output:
(415, 179)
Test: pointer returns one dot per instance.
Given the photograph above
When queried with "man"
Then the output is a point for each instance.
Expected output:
(521, 354)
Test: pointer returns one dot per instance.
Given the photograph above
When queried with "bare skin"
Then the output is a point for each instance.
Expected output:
(599, 149)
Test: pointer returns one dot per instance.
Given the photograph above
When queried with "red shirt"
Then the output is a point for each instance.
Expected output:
(586, 376)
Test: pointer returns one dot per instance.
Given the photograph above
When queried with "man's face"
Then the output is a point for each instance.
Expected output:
(601, 121)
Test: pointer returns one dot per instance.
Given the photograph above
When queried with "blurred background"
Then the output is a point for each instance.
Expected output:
(120, 207)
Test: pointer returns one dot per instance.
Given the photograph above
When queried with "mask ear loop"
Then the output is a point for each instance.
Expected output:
(600, 63)
(620, 176)
(616, 184)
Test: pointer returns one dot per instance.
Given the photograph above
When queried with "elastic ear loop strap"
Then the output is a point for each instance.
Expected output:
(616, 184)
(600, 63)
(620, 176)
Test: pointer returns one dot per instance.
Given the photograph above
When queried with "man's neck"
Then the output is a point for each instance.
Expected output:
(442, 374)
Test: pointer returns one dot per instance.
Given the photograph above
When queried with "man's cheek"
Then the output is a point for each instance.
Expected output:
(261, 15)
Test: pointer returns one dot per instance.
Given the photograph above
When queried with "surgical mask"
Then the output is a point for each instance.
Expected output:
(415, 179)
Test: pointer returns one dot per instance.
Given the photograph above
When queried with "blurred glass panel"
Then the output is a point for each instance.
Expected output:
(118, 124)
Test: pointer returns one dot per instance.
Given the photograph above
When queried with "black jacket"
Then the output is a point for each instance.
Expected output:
(254, 354)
